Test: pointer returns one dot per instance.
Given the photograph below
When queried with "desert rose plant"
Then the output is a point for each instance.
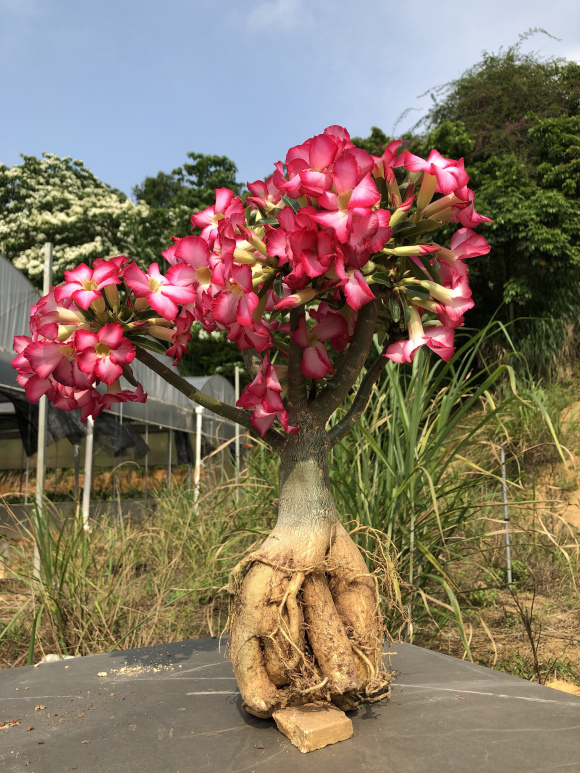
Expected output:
(335, 248)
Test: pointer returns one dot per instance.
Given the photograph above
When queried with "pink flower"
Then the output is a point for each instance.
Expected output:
(369, 234)
(438, 339)
(163, 293)
(265, 389)
(181, 336)
(48, 312)
(355, 193)
(262, 420)
(119, 261)
(308, 166)
(340, 338)
(450, 174)
(465, 243)
(237, 301)
(102, 355)
(264, 396)
(299, 242)
(93, 403)
(315, 361)
(84, 284)
(49, 358)
(255, 336)
(266, 195)
(226, 206)
(353, 284)
(467, 215)
(34, 386)
(453, 298)
(387, 160)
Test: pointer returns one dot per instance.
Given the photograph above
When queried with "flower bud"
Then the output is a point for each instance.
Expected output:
(112, 296)
(65, 332)
(98, 305)
(297, 299)
(444, 202)
(163, 333)
(428, 185)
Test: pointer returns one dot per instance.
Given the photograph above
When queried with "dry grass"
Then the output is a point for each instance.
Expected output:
(129, 584)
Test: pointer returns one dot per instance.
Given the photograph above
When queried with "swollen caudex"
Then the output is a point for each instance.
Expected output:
(304, 633)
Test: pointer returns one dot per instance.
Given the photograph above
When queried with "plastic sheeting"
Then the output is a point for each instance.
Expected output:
(17, 295)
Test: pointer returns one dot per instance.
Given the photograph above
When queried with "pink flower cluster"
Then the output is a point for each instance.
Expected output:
(332, 229)
(66, 360)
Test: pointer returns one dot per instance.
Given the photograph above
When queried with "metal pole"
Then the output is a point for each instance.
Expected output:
(146, 459)
(42, 414)
(237, 443)
(88, 474)
(118, 471)
(506, 518)
(197, 476)
(77, 466)
(26, 480)
(21, 469)
(169, 444)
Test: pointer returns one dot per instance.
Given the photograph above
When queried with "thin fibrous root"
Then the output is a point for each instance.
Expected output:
(315, 687)
(362, 656)
(293, 629)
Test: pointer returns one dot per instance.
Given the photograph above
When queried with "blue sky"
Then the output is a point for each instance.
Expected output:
(129, 87)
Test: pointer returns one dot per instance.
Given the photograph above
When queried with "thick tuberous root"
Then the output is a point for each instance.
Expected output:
(307, 633)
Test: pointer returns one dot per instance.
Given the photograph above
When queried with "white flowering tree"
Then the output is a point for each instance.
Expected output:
(61, 201)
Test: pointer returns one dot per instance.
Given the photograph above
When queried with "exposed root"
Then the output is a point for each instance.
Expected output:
(312, 631)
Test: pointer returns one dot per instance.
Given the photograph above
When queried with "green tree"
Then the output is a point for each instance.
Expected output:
(500, 98)
(60, 200)
(210, 353)
(375, 143)
(188, 188)
(515, 118)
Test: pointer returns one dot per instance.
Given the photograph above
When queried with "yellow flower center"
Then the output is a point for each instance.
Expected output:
(102, 350)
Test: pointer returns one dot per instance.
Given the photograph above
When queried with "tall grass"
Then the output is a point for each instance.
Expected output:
(129, 583)
(412, 468)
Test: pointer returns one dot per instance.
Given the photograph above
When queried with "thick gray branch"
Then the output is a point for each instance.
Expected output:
(296, 380)
(360, 402)
(352, 363)
(238, 415)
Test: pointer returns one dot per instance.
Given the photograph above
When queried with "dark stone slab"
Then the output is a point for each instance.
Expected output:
(176, 709)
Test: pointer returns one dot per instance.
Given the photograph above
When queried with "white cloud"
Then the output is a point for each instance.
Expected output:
(282, 14)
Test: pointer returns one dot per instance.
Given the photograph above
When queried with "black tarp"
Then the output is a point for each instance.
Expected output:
(116, 438)
(112, 436)
(184, 448)
(59, 423)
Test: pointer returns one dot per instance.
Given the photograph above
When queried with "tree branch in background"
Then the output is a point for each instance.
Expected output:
(230, 412)
(352, 363)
